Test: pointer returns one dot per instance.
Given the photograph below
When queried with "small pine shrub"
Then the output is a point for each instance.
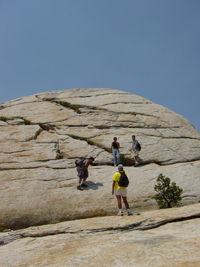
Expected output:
(168, 194)
(59, 155)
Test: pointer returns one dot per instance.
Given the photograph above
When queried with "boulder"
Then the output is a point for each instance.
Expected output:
(42, 135)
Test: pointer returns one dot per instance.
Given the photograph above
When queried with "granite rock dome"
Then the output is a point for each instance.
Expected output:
(42, 135)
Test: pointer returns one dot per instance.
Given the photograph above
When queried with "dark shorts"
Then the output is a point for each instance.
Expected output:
(82, 173)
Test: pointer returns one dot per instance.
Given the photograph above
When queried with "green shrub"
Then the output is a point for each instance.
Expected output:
(168, 194)
(90, 142)
(68, 105)
(77, 109)
(59, 155)
(3, 119)
(26, 122)
(64, 104)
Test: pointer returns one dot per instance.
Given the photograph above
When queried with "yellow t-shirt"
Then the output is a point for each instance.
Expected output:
(116, 178)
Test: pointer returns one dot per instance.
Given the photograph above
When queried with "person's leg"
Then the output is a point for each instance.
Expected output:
(79, 184)
(114, 156)
(119, 202)
(133, 155)
(126, 202)
(84, 179)
(118, 157)
(136, 156)
(127, 205)
(80, 175)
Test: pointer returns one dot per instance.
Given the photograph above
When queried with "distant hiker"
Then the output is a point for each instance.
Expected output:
(115, 150)
(135, 150)
(82, 169)
(119, 187)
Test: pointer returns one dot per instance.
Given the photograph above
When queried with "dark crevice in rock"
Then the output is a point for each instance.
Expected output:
(36, 167)
(189, 196)
(143, 225)
(26, 122)
(184, 159)
(71, 165)
(15, 152)
(37, 133)
(77, 107)
(161, 223)
(165, 163)
(131, 163)
(105, 127)
(181, 137)
(89, 141)
(57, 93)
(140, 226)
(16, 102)
(46, 127)
(65, 104)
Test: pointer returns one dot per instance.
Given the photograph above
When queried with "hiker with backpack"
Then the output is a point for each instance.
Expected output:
(119, 188)
(115, 150)
(82, 169)
(135, 150)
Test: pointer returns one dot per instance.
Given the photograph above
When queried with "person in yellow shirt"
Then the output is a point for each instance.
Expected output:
(120, 191)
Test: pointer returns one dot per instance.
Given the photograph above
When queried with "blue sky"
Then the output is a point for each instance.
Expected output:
(150, 48)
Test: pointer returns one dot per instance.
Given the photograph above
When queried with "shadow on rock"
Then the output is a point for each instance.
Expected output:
(92, 185)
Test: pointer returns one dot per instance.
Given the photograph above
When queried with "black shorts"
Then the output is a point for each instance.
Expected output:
(82, 173)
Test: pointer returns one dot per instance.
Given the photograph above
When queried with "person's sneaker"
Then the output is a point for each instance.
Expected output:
(83, 185)
(79, 188)
(120, 213)
(130, 213)
(136, 164)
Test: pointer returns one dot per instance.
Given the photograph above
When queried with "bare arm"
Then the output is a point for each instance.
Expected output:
(113, 186)
(86, 164)
(133, 148)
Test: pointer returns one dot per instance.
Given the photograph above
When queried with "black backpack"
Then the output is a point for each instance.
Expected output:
(80, 163)
(123, 181)
(138, 146)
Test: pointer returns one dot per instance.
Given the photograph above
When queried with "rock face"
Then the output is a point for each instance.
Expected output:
(42, 135)
(160, 238)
